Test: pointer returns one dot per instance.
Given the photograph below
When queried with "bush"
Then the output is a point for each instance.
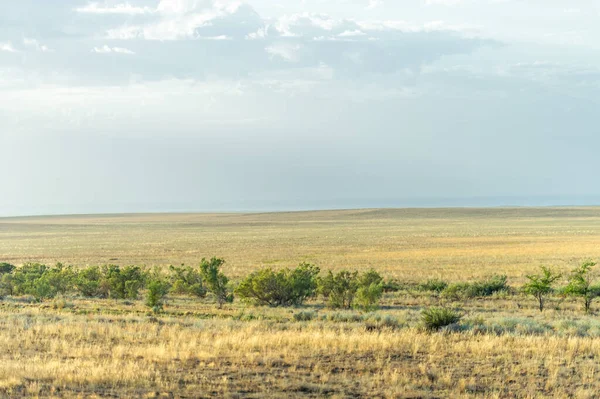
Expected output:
(6, 268)
(215, 280)
(40, 281)
(580, 285)
(6, 279)
(370, 290)
(185, 280)
(283, 288)
(433, 285)
(541, 285)
(124, 283)
(342, 289)
(393, 286)
(476, 289)
(157, 290)
(305, 315)
(339, 289)
(91, 282)
(435, 318)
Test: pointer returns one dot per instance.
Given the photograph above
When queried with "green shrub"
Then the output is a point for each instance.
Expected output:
(91, 282)
(435, 318)
(6, 268)
(215, 280)
(305, 315)
(339, 289)
(580, 285)
(123, 283)
(187, 281)
(40, 281)
(393, 286)
(476, 289)
(433, 285)
(541, 285)
(368, 296)
(282, 288)
(157, 290)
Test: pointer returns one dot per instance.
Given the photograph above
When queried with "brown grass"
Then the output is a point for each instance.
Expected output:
(412, 244)
(504, 348)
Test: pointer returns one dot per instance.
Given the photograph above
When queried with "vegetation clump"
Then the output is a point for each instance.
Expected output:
(434, 318)
(580, 285)
(286, 287)
(187, 281)
(215, 280)
(541, 285)
(483, 288)
(157, 291)
(340, 290)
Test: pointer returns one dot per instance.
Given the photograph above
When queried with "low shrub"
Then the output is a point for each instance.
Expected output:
(305, 315)
(91, 282)
(339, 289)
(124, 283)
(40, 281)
(187, 281)
(475, 289)
(215, 280)
(433, 285)
(157, 290)
(6, 268)
(279, 288)
(435, 318)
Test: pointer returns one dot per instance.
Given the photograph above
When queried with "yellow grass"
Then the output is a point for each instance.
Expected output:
(412, 244)
(76, 347)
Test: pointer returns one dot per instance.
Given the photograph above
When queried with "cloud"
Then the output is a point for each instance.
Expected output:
(35, 44)
(7, 47)
(374, 4)
(106, 50)
(123, 9)
(444, 2)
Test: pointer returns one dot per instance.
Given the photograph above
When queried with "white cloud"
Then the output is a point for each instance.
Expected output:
(444, 2)
(106, 50)
(37, 45)
(7, 47)
(286, 51)
(374, 4)
(125, 9)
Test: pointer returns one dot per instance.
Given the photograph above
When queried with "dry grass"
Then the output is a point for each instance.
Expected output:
(411, 244)
(503, 348)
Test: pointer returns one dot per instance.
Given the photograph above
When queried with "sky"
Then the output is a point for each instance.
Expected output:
(215, 105)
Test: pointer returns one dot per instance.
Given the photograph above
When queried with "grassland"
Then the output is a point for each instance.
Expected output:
(411, 244)
(503, 347)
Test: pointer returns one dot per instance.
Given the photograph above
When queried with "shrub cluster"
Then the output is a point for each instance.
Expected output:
(477, 288)
(112, 281)
(287, 287)
(292, 287)
(347, 289)
(434, 318)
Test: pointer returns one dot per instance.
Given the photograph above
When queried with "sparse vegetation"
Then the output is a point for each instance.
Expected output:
(282, 288)
(216, 281)
(580, 285)
(97, 344)
(435, 318)
(541, 285)
(157, 290)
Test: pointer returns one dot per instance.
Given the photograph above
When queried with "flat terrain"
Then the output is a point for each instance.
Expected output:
(502, 348)
(413, 244)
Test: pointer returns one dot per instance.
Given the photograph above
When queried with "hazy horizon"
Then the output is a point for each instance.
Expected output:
(205, 105)
(266, 206)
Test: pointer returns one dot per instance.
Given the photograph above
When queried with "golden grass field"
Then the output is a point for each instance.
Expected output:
(76, 347)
